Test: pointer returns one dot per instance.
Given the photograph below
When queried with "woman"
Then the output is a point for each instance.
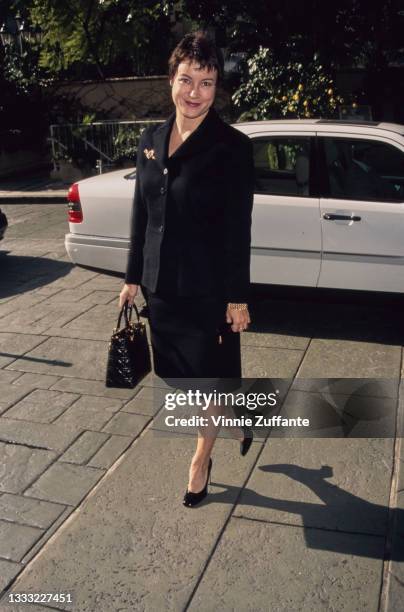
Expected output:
(191, 234)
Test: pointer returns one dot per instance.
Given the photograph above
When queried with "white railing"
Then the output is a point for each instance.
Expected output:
(99, 145)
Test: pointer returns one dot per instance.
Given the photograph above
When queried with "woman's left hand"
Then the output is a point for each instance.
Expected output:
(240, 319)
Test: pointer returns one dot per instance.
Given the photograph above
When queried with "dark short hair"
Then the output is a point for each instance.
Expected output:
(197, 47)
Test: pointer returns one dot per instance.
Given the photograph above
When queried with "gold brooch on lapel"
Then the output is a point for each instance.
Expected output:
(149, 153)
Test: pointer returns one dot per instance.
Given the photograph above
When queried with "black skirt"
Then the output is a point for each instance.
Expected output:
(192, 345)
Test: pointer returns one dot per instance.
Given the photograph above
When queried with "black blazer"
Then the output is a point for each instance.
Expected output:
(210, 178)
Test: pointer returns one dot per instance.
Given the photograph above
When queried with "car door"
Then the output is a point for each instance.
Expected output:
(286, 236)
(362, 213)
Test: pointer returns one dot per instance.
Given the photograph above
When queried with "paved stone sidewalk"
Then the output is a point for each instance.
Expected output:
(90, 490)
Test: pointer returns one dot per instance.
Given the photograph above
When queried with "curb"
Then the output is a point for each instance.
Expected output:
(34, 199)
(391, 592)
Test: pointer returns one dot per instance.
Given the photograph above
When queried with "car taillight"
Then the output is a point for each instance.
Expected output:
(74, 212)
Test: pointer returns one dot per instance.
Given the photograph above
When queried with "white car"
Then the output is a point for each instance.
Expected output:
(328, 207)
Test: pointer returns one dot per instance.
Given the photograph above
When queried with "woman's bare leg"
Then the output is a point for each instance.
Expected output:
(206, 440)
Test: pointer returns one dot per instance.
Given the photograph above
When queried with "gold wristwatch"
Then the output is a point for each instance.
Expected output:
(238, 306)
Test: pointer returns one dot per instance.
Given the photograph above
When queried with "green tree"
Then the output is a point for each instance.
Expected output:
(344, 32)
(102, 37)
(23, 84)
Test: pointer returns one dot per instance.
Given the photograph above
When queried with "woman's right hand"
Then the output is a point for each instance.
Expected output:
(128, 293)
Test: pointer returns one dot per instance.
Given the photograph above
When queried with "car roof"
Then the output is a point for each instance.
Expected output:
(325, 125)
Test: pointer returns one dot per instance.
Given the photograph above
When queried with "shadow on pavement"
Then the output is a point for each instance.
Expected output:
(329, 314)
(333, 501)
(56, 362)
(19, 273)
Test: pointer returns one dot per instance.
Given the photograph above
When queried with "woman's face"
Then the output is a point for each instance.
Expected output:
(193, 89)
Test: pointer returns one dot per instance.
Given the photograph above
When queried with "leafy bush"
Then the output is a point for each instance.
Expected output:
(274, 89)
(125, 143)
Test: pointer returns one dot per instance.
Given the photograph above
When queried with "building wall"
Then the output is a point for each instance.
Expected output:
(129, 98)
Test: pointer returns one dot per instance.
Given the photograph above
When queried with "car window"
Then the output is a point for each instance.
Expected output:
(364, 170)
(282, 165)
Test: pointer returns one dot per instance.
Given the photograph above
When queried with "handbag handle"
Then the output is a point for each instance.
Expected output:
(124, 311)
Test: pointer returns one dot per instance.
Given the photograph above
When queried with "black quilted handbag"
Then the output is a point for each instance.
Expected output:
(128, 355)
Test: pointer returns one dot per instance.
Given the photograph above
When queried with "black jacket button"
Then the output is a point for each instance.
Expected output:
(162, 190)
(161, 228)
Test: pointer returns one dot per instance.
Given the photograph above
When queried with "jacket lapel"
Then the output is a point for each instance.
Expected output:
(202, 138)
(160, 140)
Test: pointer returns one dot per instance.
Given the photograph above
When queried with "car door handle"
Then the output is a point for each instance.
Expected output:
(333, 217)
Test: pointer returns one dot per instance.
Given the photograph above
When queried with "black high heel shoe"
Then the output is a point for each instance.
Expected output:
(247, 440)
(191, 499)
